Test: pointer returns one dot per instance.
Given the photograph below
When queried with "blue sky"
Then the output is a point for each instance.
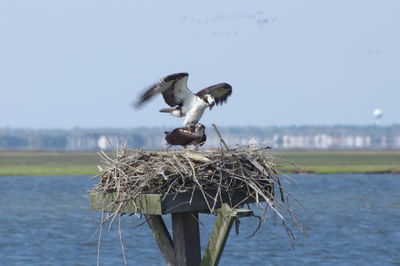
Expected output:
(67, 64)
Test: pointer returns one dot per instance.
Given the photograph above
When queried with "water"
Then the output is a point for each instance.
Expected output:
(350, 219)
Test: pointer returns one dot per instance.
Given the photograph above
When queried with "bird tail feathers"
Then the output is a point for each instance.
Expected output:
(167, 110)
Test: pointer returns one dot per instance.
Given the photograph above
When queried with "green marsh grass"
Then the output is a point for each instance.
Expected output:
(319, 162)
(48, 163)
(343, 161)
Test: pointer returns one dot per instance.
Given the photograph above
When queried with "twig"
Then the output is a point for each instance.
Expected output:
(121, 240)
(220, 137)
(99, 240)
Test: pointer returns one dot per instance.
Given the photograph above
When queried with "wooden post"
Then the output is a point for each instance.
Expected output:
(162, 237)
(219, 235)
(184, 249)
(186, 233)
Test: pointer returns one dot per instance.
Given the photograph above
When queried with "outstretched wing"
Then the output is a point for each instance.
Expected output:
(178, 92)
(173, 88)
(220, 92)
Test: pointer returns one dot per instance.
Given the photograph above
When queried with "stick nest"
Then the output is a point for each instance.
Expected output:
(130, 174)
(163, 172)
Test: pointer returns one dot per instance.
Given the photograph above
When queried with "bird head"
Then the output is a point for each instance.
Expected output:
(199, 130)
(210, 101)
(191, 127)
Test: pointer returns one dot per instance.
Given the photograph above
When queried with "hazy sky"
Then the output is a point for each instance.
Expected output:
(81, 63)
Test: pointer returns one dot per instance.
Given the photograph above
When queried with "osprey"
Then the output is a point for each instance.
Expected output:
(182, 101)
(185, 136)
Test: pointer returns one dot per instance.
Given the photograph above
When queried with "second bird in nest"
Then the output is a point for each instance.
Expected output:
(185, 136)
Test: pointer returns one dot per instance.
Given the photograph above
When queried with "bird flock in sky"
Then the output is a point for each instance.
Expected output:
(227, 24)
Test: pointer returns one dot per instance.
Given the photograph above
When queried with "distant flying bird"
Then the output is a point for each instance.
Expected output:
(185, 136)
(182, 101)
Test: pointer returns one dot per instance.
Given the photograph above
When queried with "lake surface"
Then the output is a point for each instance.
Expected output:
(350, 219)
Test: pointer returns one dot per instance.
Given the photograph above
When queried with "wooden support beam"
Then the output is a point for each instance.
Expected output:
(145, 204)
(186, 238)
(162, 237)
(157, 204)
(184, 249)
(219, 235)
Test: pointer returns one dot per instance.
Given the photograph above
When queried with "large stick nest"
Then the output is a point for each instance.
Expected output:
(163, 172)
(130, 174)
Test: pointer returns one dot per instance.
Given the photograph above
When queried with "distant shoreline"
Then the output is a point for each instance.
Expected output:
(367, 137)
(14, 163)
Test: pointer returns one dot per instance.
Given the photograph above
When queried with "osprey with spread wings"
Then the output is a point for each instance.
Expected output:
(184, 103)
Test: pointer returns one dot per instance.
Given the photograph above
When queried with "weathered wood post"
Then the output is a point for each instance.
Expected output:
(162, 237)
(183, 249)
(185, 227)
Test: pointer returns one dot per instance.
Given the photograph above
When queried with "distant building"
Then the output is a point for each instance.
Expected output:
(295, 137)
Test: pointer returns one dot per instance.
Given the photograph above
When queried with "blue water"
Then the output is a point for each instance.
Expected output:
(350, 219)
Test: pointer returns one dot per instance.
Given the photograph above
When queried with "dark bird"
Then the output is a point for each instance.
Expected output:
(182, 101)
(185, 136)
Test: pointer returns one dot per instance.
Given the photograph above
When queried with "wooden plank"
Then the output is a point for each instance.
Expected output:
(162, 237)
(186, 238)
(157, 204)
(146, 204)
(219, 236)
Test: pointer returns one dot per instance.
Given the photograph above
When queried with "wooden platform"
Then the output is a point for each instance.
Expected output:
(183, 247)
(159, 204)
